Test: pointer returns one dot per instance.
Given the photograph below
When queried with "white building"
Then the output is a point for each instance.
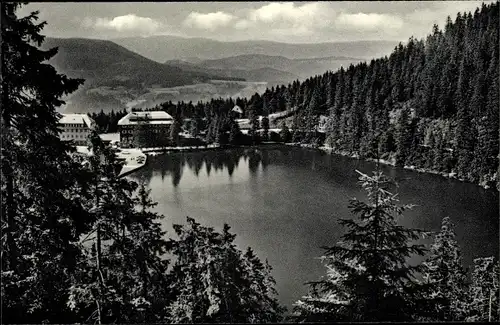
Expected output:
(75, 127)
(156, 123)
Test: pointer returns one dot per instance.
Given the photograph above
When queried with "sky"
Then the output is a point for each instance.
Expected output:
(291, 22)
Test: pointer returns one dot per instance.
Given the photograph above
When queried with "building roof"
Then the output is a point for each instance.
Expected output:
(237, 109)
(153, 117)
(112, 137)
(76, 119)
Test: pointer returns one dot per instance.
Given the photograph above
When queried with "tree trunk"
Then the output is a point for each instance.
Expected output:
(99, 257)
(489, 305)
(8, 173)
(10, 218)
(99, 318)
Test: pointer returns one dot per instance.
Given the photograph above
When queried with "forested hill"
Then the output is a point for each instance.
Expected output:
(432, 103)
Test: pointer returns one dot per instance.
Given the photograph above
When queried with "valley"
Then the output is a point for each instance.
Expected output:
(109, 99)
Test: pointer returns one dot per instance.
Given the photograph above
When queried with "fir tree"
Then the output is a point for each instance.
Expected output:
(212, 281)
(369, 278)
(285, 132)
(254, 122)
(194, 128)
(444, 272)
(234, 133)
(403, 138)
(312, 119)
(265, 127)
(484, 291)
(42, 215)
(175, 129)
(121, 275)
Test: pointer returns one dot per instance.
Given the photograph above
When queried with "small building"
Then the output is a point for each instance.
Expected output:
(145, 129)
(237, 112)
(110, 138)
(76, 127)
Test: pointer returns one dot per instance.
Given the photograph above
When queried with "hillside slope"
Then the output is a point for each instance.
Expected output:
(105, 63)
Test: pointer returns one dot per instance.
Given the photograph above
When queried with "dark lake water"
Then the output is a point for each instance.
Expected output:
(285, 203)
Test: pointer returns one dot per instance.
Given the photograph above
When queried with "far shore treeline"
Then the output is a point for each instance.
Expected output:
(82, 245)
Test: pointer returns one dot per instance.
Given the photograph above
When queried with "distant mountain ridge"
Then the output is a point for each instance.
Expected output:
(259, 71)
(164, 48)
(301, 68)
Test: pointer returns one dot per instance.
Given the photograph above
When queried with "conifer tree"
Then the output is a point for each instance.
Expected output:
(254, 122)
(42, 217)
(194, 127)
(369, 278)
(484, 291)
(444, 272)
(403, 138)
(175, 129)
(263, 307)
(265, 125)
(285, 132)
(330, 92)
(121, 275)
(212, 281)
(234, 133)
(312, 119)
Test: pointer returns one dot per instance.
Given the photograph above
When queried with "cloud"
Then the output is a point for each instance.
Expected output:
(286, 12)
(127, 23)
(370, 21)
(437, 14)
(209, 21)
(242, 24)
(287, 19)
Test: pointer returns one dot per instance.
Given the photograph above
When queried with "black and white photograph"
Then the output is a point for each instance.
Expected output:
(250, 162)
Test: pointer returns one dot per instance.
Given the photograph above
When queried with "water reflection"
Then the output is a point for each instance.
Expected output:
(254, 159)
(218, 161)
(265, 159)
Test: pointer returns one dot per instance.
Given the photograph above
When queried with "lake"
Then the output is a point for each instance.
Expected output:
(285, 203)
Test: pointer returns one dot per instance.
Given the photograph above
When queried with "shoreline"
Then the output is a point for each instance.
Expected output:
(157, 151)
(131, 161)
(452, 175)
